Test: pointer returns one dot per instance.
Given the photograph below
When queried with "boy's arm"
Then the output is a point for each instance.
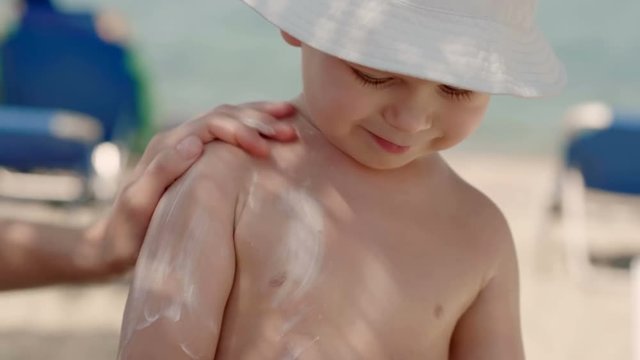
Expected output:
(490, 328)
(186, 267)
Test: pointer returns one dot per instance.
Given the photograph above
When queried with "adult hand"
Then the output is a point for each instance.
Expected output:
(118, 237)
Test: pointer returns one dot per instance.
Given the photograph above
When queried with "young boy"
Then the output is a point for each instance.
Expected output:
(358, 241)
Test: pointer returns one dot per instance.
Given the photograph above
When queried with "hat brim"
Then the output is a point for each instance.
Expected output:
(470, 53)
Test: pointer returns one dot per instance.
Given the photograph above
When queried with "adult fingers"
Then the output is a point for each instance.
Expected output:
(140, 197)
(277, 109)
(226, 124)
(237, 126)
(262, 116)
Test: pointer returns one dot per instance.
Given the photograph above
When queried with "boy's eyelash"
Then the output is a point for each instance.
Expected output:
(367, 80)
(455, 93)
(449, 91)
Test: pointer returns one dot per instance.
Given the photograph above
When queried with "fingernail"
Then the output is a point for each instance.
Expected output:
(282, 127)
(189, 147)
(266, 130)
(258, 125)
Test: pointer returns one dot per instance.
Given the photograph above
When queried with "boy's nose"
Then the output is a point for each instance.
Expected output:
(409, 118)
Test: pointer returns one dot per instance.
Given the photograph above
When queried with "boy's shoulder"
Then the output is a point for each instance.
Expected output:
(220, 159)
(221, 168)
(478, 206)
(471, 203)
(492, 235)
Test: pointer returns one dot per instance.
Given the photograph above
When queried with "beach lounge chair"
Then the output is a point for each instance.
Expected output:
(57, 61)
(601, 155)
(34, 140)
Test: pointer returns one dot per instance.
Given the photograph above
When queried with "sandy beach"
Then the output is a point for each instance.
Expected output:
(561, 318)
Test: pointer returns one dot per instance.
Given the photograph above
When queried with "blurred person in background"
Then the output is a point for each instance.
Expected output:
(108, 23)
(85, 64)
(36, 254)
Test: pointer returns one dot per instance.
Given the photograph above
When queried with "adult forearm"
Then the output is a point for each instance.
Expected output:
(34, 255)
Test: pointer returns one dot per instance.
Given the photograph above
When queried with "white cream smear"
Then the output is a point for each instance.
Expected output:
(166, 276)
(301, 253)
(299, 259)
(165, 286)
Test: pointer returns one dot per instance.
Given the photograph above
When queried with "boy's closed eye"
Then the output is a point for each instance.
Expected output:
(368, 79)
(456, 93)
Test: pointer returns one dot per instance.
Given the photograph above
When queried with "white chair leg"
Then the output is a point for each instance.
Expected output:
(635, 309)
(574, 224)
(555, 204)
(109, 161)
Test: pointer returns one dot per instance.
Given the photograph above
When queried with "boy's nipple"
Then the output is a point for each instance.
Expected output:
(278, 280)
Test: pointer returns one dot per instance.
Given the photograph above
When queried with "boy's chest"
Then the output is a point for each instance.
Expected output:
(388, 273)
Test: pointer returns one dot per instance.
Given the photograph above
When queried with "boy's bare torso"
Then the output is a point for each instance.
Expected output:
(336, 261)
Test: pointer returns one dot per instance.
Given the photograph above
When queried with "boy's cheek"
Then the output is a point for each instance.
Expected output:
(456, 129)
(331, 90)
(336, 101)
(462, 121)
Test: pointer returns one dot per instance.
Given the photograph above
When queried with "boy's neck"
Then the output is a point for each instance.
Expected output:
(303, 112)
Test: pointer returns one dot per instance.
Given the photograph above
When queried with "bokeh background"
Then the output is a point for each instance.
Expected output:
(199, 53)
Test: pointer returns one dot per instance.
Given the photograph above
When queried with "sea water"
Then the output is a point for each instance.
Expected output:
(199, 53)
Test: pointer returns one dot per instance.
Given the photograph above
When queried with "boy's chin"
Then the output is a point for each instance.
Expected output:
(385, 162)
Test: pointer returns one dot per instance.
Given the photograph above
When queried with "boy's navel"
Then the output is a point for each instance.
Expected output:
(438, 311)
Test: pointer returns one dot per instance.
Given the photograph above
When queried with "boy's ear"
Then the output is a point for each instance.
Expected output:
(290, 39)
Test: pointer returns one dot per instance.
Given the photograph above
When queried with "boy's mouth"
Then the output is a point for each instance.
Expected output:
(388, 145)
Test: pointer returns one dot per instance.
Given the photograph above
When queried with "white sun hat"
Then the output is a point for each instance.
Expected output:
(491, 46)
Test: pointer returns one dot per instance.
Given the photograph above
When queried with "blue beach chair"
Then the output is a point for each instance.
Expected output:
(601, 154)
(33, 139)
(52, 142)
(57, 62)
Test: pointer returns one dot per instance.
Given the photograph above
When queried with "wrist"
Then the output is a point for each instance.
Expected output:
(97, 259)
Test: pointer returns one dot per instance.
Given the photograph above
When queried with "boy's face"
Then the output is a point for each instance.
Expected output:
(384, 120)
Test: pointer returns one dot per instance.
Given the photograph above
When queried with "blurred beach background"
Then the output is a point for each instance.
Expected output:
(197, 54)
(200, 53)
